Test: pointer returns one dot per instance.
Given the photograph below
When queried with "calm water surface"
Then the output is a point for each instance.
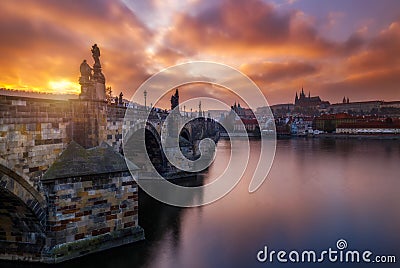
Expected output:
(318, 191)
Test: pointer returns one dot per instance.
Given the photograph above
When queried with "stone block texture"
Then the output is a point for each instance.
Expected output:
(82, 208)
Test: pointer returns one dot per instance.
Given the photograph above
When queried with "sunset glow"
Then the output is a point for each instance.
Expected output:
(332, 49)
(64, 87)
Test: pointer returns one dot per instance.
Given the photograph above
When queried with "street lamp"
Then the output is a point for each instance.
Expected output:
(145, 96)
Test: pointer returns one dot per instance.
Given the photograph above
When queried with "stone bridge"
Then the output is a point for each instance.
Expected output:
(65, 188)
(41, 194)
(33, 132)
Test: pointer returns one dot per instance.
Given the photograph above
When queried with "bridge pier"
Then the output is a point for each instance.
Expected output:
(89, 122)
(92, 203)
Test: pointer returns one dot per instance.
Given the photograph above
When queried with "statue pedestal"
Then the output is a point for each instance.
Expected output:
(88, 89)
(89, 122)
(100, 91)
(92, 89)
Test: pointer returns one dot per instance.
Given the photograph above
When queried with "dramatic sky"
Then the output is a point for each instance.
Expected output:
(332, 48)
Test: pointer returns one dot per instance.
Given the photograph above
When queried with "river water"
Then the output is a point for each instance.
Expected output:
(318, 191)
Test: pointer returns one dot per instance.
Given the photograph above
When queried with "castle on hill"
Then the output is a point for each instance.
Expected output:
(307, 101)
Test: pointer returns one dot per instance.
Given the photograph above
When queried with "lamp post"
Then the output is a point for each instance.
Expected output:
(145, 97)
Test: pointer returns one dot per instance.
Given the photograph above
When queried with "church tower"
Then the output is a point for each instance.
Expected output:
(175, 100)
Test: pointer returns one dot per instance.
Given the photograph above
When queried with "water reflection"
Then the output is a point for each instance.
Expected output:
(317, 192)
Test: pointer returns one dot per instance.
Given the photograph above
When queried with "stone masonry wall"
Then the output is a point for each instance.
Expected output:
(115, 119)
(89, 122)
(85, 207)
(33, 132)
(83, 214)
(21, 234)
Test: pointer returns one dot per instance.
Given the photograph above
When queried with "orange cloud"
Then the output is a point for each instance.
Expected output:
(279, 50)
(381, 52)
(373, 72)
(270, 72)
(43, 42)
(247, 28)
(46, 41)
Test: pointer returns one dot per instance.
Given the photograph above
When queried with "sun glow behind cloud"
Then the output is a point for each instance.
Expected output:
(64, 87)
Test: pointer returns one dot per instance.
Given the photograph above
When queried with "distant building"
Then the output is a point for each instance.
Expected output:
(390, 104)
(329, 122)
(247, 125)
(390, 108)
(351, 124)
(309, 102)
(301, 125)
(370, 127)
(243, 120)
(307, 105)
(278, 109)
(359, 108)
(243, 113)
(218, 114)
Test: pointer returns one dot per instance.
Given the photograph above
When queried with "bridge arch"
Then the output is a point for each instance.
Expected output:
(23, 217)
(21, 231)
(185, 134)
(17, 185)
(152, 140)
(152, 129)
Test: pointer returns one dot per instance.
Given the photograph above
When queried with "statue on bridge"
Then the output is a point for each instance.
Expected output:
(96, 55)
(97, 74)
(92, 80)
(120, 100)
(86, 71)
